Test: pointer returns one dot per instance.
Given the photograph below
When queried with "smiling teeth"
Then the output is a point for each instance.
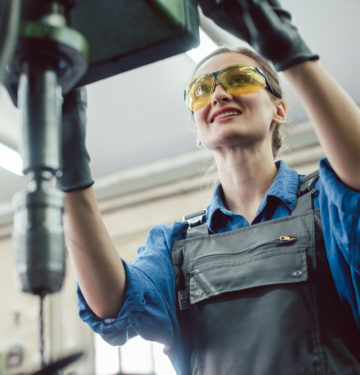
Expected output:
(226, 114)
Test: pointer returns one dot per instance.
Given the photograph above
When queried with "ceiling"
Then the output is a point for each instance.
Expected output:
(139, 116)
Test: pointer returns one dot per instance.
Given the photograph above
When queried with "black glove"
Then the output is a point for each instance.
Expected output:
(75, 158)
(264, 25)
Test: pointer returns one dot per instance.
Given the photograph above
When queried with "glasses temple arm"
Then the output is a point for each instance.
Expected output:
(268, 84)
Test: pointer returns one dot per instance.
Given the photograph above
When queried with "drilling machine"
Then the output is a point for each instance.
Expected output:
(57, 49)
(50, 58)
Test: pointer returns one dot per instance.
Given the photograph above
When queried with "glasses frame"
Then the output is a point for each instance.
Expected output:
(268, 85)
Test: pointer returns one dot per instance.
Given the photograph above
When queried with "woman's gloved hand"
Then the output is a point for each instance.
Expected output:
(76, 173)
(264, 25)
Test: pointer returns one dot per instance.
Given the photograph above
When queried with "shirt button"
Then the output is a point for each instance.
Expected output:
(297, 273)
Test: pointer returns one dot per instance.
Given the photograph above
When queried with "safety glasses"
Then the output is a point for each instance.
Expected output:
(236, 80)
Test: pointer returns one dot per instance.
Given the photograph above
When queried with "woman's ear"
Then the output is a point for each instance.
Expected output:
(280, 114)
(198, 140)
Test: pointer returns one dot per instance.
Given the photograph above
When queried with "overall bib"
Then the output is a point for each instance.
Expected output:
(261, 300)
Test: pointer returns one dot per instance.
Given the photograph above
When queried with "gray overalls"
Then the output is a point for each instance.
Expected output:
(260, 300)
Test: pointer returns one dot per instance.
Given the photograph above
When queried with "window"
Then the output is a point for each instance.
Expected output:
(137, 356)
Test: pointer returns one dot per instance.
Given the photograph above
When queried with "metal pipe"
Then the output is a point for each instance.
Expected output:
(40, 100)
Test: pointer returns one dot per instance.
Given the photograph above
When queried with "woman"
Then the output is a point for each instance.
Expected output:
(267, 280)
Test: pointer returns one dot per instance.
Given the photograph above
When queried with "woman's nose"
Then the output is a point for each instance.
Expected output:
(220, 95)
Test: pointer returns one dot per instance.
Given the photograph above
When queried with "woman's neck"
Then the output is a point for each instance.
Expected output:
(245, 178)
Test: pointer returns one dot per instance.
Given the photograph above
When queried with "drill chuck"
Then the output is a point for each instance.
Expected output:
(39, 240)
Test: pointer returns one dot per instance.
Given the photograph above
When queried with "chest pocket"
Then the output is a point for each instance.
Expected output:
(275, 262)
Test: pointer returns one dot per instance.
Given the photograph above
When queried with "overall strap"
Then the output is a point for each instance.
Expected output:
(305, 193)
(196, 223)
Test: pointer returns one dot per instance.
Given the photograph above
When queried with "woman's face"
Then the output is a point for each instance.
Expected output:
(230, 121)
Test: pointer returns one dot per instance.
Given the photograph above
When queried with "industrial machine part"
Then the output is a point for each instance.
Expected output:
(49, 56)
(136, 33)
(9, 25)
(58, 49)
(54, 367)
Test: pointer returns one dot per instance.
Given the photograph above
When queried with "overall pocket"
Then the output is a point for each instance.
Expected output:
(270, 263)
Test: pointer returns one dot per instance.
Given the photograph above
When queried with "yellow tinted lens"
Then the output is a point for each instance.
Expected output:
(199, 92)
(242, 81)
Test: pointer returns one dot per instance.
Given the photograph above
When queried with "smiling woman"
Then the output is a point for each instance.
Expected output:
(268, 78)
(266, 279)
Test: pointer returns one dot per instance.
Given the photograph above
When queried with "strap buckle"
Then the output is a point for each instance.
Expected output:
(196, 218)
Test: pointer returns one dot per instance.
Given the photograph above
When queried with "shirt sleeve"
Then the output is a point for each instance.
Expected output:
(340, 215)
(149, 308)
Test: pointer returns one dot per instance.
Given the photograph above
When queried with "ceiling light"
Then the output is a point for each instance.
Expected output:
(10, 160)
(206, 46)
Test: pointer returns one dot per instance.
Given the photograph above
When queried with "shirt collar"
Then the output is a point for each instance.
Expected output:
(284, 188)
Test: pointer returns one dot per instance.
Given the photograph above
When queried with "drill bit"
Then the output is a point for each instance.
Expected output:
(41, 333)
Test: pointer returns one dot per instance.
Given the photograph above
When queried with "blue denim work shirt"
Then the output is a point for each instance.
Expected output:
(149, 309)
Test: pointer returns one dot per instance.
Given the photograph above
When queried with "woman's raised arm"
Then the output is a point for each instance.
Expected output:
(334, 115)
(98, 267)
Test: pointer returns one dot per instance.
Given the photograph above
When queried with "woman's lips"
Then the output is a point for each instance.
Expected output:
(225, 114)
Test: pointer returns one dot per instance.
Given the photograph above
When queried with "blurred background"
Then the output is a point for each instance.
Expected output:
(148, 170)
